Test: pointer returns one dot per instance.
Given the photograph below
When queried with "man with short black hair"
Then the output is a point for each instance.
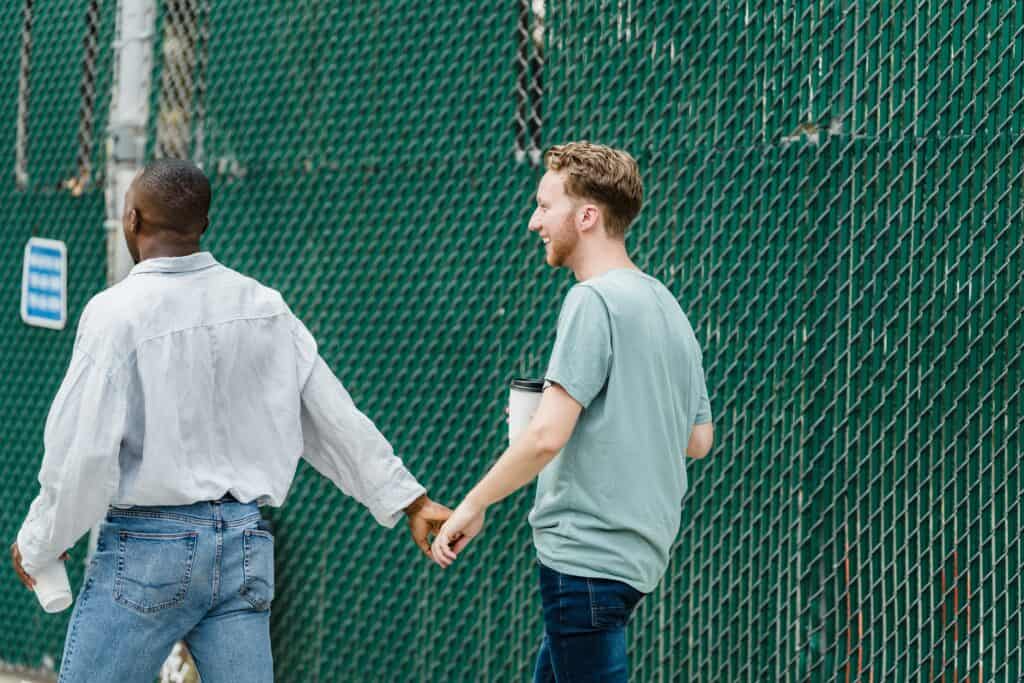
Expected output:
(191, 394)
(625, 401)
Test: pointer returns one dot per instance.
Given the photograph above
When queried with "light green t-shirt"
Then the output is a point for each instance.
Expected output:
(608, 505)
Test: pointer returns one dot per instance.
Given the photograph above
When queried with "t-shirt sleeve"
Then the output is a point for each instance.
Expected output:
(703, 404)
(582, 355)
(700, 385)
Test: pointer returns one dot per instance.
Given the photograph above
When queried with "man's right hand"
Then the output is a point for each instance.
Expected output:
(26, 580)
(463, 526)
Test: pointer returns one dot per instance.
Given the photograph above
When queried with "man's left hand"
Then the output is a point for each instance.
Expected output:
(425, 519)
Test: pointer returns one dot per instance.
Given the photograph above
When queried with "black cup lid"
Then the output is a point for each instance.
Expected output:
(526, 384)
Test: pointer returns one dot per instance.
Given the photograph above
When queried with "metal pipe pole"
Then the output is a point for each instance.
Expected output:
(126, 133)
(129, 119)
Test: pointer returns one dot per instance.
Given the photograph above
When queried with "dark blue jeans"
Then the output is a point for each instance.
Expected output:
(584, 629)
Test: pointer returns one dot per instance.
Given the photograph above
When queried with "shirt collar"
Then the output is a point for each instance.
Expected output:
(176, 264)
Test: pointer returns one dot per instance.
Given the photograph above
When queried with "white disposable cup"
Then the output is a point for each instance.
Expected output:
(53, 590)
(523, 399)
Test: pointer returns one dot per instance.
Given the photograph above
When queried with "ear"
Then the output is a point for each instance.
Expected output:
(588, 216)
(135, 221)
(206, 224)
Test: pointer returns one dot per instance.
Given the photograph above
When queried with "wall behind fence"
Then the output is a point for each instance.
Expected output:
(834, 195)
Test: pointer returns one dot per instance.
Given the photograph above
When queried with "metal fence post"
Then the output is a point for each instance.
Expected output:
(126, 140)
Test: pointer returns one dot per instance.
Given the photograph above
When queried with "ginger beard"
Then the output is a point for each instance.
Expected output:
(561, 242)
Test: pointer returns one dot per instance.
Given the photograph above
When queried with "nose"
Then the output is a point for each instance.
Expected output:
(534, 224)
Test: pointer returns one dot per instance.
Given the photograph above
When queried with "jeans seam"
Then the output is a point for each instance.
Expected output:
(114, 513)
(243, 521)
(218, 553)
(593, 604)
(172, 536)
(83, 597)
(561, 607)
(161, 515)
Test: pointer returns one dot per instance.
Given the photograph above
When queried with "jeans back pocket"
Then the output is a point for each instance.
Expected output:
(258, 568)
(153, 569)
(611, 602)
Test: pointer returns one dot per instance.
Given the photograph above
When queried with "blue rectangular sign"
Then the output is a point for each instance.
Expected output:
(44, 284)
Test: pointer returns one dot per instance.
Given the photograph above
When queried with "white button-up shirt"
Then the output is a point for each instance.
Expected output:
(189, 380)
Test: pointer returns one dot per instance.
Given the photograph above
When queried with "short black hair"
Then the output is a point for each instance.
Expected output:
(178, 190)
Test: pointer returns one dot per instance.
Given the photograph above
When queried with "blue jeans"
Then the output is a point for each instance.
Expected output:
(203, 573)
(584, 629)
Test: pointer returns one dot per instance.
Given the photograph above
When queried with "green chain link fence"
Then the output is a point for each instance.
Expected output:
(55, 73)
(834, 194)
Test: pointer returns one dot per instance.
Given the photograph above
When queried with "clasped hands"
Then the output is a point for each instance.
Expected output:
(452, 531)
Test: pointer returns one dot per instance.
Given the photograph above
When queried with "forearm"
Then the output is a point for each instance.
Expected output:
(701, 439)
(517, 467)
(368, 470)
(52, 527)
(80, 472)
(344, 445)
(35, 538)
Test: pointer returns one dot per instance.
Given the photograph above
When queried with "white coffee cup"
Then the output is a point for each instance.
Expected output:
(53, 590)
(523, 399)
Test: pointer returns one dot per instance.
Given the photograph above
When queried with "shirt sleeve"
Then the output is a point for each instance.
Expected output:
(582, 355)
(345, 446)
(703, 415)
(79, 474)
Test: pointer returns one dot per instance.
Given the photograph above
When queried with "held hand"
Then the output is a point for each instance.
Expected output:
(425, 518)
(461, 528)
(26, 580)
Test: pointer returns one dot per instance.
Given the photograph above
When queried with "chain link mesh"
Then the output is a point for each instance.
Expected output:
(181, 76)
(45, 194)
(529, 65)
(834, 195)
(88, 95)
